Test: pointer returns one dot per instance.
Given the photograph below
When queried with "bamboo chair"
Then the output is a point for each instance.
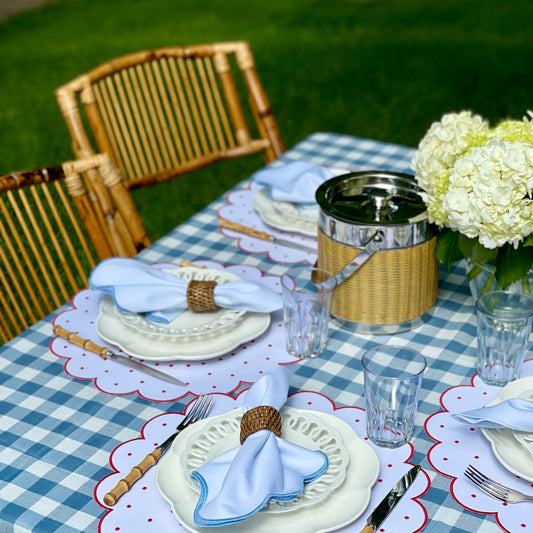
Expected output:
(52, 234)
(160, 114)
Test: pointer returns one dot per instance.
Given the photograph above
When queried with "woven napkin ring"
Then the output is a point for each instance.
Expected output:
(200, 295)
(258, 418)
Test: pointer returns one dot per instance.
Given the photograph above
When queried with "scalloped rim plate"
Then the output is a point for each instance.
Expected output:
(287, 216)
(342, 507)
(303, 429)
(507, 449)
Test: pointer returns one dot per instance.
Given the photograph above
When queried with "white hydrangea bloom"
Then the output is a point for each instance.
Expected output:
(447, 140)
(489, 193)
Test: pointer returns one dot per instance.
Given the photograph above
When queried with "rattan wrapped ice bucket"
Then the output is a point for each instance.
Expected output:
(374, 235)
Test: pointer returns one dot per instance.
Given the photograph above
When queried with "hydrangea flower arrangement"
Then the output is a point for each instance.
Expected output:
(478, 184)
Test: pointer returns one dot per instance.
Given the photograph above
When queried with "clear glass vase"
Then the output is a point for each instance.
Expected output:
(481, 279)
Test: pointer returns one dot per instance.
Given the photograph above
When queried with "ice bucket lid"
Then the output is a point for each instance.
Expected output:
(354, 205)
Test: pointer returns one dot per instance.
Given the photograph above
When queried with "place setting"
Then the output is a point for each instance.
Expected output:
(170, 339)
(263, 461)
(485, 434)
(277, 213)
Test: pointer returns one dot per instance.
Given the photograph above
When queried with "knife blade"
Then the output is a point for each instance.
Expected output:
(380, 513)
(235, 226)
(106, 353)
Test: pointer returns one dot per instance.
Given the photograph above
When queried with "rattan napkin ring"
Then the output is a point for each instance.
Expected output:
(258, 418)
(200, 295)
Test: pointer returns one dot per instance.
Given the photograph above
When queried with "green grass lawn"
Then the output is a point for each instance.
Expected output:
(384, 70)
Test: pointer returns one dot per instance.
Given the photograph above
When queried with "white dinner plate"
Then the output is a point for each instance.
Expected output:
(507, 449)
(338, 509)
(299, 427)
(151, 347)
(188, 323)
(288, 216)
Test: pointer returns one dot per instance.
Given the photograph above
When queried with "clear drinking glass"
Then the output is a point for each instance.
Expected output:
(503, 329)
(307, 293)
(393, 376)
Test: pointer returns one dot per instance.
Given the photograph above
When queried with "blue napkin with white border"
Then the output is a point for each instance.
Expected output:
(515, 413)
(140, 288)
(238, 483)
(294, 182)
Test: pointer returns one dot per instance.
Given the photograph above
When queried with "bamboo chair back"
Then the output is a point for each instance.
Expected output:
(166, 112)
(52, 234)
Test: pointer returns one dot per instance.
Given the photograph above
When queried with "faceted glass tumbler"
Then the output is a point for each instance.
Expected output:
(307, 293)
(393, 377)
(503, 329)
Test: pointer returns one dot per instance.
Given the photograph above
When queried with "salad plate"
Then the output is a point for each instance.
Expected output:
(288, 216)
(332, 509)
(152, 347)
(508, 449)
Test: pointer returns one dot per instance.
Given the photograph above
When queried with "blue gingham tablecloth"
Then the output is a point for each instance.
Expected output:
(56, 432)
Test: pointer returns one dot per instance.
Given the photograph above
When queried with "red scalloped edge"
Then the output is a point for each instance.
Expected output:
(334, 407)
(238, 239)
(454, 478)
(133, 391)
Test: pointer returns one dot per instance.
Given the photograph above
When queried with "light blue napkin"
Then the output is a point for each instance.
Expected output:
(140, 288)
(294, 182)
(239, 482)
(515, 413)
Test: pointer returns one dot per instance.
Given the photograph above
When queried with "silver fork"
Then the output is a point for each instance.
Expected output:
(199, 410)
(494, 489)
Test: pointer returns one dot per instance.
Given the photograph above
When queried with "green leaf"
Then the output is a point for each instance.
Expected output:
(512, 265)
(466, 244)
(447, 251)
(528, 241)
(481, 255)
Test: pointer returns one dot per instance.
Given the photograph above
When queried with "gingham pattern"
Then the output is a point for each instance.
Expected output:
(56, 432)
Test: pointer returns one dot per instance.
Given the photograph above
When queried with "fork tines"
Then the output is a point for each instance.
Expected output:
(199, 409)
(487, 485)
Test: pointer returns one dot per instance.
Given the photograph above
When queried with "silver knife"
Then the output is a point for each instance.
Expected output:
(106, 353)
(380, 513)
(235, 226)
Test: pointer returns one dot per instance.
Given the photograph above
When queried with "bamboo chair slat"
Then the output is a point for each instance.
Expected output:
(145, 125)
(219, 105)
(178, 122)
(197, 128)
(198, 82)
(155, 130)
(189, 132)
(33, 246)
(162, 113)
(38, 242)
(11, 286)
(51, 236)
(163, 140)
(100, 118)
(124, 114)
(166, 116)
(80, 238)
(138, 133)
(21, 283)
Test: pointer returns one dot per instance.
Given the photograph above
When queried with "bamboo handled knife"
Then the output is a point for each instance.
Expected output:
(235, 226)
(106, 353)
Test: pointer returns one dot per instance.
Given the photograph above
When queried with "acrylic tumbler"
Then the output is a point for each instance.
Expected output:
(307, 293)
(503, 330)
(393, 377)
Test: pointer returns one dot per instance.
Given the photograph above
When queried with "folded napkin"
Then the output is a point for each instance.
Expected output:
(295, 182)
(140, 288)
(239, 482)
(515, 413)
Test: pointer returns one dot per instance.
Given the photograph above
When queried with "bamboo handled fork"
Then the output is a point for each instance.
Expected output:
(199, 410)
